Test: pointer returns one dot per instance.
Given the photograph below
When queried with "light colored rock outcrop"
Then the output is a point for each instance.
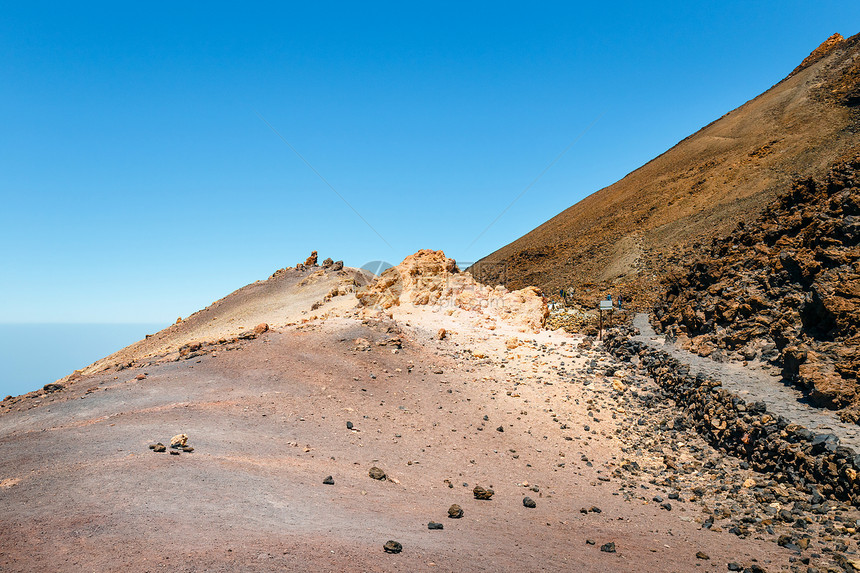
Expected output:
(430, 278)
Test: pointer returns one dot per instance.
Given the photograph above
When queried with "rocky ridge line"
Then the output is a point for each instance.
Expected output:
(819, 52)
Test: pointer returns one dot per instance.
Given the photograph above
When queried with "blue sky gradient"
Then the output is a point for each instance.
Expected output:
(138, 183)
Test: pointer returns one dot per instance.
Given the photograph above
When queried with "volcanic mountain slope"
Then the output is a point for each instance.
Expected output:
(785, 288)
(627, 236)
(475, 445)
(423, 430)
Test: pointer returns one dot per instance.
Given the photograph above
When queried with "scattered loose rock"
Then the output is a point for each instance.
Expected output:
(455, 511)
(376, 473)
(392, 546)
(482, 493)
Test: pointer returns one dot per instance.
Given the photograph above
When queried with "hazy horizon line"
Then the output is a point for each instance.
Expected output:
(99, 323)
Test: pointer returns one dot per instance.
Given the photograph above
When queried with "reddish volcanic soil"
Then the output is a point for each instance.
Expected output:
(80, 490)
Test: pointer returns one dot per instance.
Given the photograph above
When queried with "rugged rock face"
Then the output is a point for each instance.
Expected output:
(311, 261)
(785, 289)
(819, 52)
(430, 278)
(624, 239)
(422, 278)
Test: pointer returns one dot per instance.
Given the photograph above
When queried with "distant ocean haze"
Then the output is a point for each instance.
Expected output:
(32, 355)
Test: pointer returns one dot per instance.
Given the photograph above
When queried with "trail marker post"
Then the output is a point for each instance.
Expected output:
(607, 306)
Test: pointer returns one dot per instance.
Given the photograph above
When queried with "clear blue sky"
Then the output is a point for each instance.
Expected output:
(138, 183)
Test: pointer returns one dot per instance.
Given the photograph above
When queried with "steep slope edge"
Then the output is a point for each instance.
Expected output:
(626, 237)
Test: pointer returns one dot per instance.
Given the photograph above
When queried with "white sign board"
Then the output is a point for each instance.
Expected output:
(605, 305)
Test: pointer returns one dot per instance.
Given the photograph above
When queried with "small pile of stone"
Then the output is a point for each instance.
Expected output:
(178, 444)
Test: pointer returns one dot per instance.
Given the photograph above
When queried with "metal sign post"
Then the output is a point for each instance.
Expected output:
(600, 325)
(604, 305)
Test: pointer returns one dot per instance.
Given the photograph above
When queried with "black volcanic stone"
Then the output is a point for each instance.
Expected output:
(392, 546)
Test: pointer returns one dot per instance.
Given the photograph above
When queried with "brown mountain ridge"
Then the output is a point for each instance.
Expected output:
(629, 236)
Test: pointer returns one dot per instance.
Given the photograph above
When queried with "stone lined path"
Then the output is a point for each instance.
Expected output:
(755, 386)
